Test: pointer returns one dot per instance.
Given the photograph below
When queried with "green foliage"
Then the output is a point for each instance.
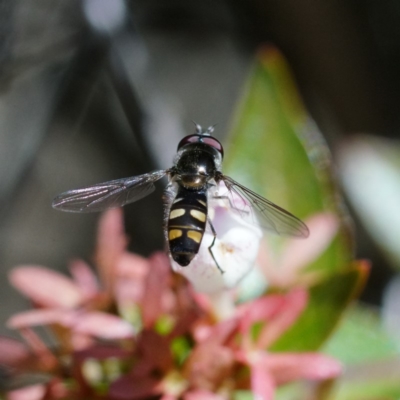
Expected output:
(360, 338)
(370, 355)
(243, 395)
(369, 389)
(276, 149)
(328, 300)
(181, 348)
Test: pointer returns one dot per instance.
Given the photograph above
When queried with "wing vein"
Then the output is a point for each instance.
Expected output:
(103, 196)
(267, 214)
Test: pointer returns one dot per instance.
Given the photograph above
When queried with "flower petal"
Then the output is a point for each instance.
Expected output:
(235, 250)
(129, 288)
(261, 309)
(102, 325)
(293, 305)
(299, 253)
(111, 244)
(217, 334)
(133, 266)
(101, 352)
(84, 278)
(93, 323)
(262, 382)
(13, 353)
(37, 317)
(156, 285)
(45, 287)
(202, 395)
(208, 366)
(34, 392)
(287, 367)
(45, 360)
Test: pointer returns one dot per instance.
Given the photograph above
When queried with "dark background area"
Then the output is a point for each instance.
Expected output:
(97, 90)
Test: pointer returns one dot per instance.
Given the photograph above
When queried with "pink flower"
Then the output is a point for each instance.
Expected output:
(271, 370)
(275, 313)
(77, 305)
(171, 342)
(284, 270)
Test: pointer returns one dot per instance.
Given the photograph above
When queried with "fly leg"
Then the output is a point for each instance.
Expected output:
(212, 245)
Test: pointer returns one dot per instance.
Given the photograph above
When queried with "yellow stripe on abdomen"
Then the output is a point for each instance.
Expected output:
(199, 215)
(195, 235)
(177, 213)
(174, 234)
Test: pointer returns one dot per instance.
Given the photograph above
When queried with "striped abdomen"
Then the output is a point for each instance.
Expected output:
(186, 224)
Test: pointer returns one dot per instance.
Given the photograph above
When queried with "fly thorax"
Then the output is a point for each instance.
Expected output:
(194, 182)
(196, 166)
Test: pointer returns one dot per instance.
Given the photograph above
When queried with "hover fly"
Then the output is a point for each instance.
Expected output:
(194, 179)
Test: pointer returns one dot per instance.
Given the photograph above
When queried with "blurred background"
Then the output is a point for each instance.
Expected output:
(94, 90)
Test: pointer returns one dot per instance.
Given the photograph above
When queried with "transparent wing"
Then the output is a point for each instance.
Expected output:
(267, 214)
(106, 195)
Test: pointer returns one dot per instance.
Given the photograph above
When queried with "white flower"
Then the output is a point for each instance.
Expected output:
(235, 249)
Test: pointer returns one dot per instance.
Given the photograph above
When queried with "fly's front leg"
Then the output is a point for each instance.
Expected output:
(212, 245)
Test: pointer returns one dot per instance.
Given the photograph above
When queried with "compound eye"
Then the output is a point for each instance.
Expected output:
(210, 141)
(189, 139)
(213, 143)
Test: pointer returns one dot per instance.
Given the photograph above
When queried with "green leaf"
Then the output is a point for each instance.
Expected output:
(327, 301)
(360, 338)
(243, 395)
(370, 356)
(368, 389)
(276, 150)
(180, 348)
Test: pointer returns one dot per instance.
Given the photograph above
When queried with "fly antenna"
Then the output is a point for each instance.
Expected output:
(199, 129)
(210, 129)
